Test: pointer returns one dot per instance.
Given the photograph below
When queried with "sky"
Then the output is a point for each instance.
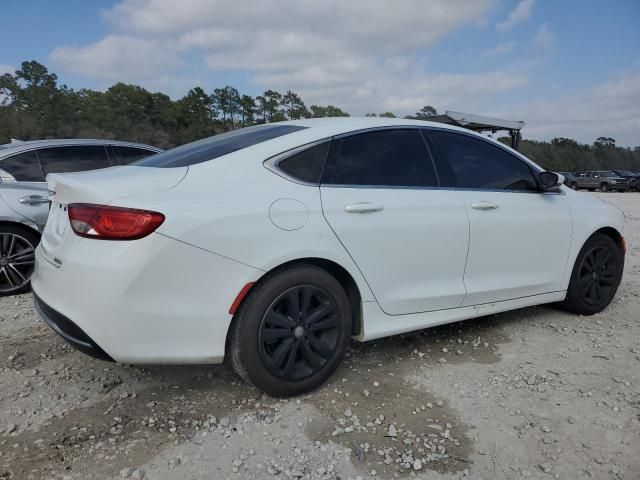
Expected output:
(566, 68)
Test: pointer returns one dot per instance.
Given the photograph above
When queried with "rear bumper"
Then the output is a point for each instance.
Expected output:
(148, 301)
(68, 330)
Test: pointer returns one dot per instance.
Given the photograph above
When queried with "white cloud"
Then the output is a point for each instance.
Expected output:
(119, 58)
(359, 54)
(611, 109)
(545, 38)
(498, 50)
(518, 15)
(4, 68)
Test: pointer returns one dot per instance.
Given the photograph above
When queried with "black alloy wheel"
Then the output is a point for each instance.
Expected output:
(291, 331)
(299, 333)
(596, 275)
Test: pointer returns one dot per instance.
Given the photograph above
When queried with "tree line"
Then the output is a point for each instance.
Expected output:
(33, 105)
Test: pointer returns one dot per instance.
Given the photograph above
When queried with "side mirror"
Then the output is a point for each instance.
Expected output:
(549, 180)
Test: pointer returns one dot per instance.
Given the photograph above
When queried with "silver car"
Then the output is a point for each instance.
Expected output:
(24, 203)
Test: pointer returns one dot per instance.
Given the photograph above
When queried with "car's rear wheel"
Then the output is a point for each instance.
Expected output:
(574, 185)
(596, 276)
(17, 258)
(291, 331)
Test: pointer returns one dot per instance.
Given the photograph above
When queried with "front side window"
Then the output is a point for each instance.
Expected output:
(478, 164)
(217, 146)
(384, 158)
(127, 155)
(23, 167)
(76, 158)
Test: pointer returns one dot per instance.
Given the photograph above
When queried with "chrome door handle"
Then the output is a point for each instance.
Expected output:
(34, 200)
(363, 207)
(484, 205)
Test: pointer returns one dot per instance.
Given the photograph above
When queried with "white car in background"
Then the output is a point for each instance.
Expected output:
(274, 245)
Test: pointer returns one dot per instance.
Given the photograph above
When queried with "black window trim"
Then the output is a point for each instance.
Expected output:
(271, 163)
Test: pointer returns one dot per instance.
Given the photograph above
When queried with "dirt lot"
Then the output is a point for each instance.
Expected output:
(535, 393)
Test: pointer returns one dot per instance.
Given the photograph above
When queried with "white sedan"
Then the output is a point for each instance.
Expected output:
(274, 245)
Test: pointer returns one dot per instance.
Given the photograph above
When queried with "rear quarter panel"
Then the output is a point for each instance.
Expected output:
(230, 206)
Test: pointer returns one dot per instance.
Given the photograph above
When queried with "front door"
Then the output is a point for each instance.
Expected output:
(519, 235)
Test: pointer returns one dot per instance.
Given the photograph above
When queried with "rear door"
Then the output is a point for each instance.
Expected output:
(29, 196)
(519, 235)
(409, 238)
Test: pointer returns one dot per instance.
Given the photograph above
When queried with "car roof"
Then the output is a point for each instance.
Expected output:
(16, 147)
(338, 125)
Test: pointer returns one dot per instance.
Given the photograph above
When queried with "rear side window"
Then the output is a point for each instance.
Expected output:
(127, 155)
(306, 165)
(478, 164)
(23, 167)
(217, 146)
(77, 158)
(384, 158)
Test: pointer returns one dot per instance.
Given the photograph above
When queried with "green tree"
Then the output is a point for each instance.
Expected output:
(293, 106)
(424, 113)
(247, 109)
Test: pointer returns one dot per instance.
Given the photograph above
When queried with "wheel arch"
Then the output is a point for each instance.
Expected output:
(341, 274)
(25, 225)
(612, 233)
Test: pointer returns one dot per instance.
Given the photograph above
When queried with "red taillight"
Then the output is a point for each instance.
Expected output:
(112, 223)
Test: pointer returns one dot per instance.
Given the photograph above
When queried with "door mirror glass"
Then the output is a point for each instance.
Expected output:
(550, 180)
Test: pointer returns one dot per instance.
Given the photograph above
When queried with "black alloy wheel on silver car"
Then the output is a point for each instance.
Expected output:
(291, 331)
(596, 275)
(17, 259)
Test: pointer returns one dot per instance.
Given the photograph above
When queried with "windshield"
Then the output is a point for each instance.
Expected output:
(217, 146)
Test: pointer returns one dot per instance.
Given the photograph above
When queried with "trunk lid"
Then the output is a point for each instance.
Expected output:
(104, 186)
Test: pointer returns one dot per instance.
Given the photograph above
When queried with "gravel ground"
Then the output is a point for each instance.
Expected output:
(535, 393)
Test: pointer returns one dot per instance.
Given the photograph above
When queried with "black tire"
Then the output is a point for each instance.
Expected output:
(604, 187)
(591, 189)
(595, 277)
(266, 312)
(17, 254)
(574, 186)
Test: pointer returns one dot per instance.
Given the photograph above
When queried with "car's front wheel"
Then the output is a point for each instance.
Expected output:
(596, 276)
(574, 185)
(291, 331)
(17, 258)
(604, 187)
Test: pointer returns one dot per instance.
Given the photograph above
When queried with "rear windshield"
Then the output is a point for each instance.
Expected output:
(217, 146)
